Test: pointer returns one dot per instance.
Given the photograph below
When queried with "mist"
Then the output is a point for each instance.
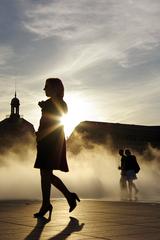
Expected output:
(93, 174)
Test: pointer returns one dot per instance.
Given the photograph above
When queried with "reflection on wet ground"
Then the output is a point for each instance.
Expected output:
(90, 220)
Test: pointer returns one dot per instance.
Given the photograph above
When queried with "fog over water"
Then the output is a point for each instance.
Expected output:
(93, 174)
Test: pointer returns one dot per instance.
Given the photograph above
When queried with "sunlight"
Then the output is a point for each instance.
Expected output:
(78, 110)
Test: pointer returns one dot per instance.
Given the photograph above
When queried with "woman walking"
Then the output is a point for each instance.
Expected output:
(130, 168)
(51, 146)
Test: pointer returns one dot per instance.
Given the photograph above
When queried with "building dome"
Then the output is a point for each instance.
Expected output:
(15, 101)
(15, 107)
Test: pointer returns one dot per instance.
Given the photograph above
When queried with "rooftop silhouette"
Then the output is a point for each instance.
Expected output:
(114, 136)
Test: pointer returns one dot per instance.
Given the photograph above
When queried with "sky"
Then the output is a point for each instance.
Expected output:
(107, 53)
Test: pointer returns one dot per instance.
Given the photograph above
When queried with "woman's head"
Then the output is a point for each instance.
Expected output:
(121, 152)
(54, 88)
(127, 152)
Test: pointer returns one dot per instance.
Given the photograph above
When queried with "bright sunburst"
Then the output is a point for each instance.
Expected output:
(78, 110)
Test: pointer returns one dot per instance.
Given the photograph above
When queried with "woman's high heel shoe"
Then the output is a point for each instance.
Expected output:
(43, 211)
(72, 201)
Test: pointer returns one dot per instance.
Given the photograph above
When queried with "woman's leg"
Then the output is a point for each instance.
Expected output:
(45, 186)
(135, 188)
(71, 197)
(130, 185)
(57, 182)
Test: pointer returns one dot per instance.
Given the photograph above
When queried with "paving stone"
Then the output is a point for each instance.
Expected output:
(99, 220)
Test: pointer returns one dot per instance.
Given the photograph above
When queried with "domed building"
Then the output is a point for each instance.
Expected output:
(15, 129)
(15, 107)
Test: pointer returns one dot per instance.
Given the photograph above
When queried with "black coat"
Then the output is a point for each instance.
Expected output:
(51, 143)
(131, 163)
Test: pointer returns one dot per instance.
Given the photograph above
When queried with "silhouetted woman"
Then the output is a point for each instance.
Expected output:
(130, 172)
(51, 146)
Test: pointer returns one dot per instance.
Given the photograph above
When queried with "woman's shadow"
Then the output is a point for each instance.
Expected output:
(72, 226)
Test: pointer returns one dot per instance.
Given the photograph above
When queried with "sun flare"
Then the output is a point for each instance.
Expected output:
(78, 110)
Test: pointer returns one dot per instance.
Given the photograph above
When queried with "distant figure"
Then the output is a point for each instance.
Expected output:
(131, 167)
(123, 183)
(51, 146)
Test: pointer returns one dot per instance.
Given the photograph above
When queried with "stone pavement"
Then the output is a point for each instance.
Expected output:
(90, 220)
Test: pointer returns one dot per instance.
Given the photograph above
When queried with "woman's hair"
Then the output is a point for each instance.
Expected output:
(121, 151)
(57, 86)
(127, 152)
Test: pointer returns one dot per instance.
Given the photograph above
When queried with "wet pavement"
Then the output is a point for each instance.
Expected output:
(90, 220)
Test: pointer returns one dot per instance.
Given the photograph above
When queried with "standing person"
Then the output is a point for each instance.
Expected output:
(51, 146)
(131, 170)
(123, 183)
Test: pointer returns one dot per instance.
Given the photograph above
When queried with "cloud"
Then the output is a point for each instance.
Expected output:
(90, 31)
(127, 25)
(107, 50)
(6, 54)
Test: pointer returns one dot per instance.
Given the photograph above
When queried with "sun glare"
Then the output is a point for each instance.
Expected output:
(77, 111)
